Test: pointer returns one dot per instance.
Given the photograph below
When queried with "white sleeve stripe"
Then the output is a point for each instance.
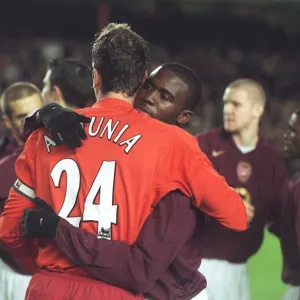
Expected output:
(24, 190)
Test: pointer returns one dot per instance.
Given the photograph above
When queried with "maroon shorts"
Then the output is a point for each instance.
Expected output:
(46, 285)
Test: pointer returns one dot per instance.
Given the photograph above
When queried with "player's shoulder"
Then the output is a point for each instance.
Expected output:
(179, 137)
(176, 132)
(294, 187)
(209, 136)
(269, 151)
(211, 139)
(272, 159)
(33, 143)
(85, 110)
(295, 181)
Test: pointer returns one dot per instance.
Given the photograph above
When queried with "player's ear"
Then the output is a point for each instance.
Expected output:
(258, 110)
(58, 96)
(97, 81)
(7, 121)
(184, 117)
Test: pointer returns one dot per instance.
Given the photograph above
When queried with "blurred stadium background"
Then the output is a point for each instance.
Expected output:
(220, 40)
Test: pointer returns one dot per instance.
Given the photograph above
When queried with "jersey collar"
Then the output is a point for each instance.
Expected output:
(114, 102)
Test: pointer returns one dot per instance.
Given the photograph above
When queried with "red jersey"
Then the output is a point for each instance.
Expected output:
(111, 184)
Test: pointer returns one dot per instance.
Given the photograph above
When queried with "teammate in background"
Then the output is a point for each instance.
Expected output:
(116, 84)
(69, 83)
(156, 241)
(21, 98)
(257, 173)
(17, 101)
(290, 236)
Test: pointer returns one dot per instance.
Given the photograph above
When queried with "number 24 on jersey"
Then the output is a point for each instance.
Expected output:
(105, 213)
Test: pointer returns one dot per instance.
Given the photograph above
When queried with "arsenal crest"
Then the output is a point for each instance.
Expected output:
(243, 171)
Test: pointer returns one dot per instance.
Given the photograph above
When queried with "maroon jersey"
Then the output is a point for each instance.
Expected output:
(7, 173)
(290, 235)
(7, 178)
(167, 248)
(7, 146)
(261, 179)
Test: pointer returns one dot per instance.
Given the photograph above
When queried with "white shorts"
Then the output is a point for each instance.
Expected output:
(13, 286)
(225, 280)
(292, 293)
(201, 296)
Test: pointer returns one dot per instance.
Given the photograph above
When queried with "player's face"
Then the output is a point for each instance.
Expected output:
(20, 108)
(292, 138)
(238, 111)
(163, 96)
(47, 92)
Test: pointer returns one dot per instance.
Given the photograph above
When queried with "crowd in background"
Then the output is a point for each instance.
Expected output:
(218, 48)
(216, 67)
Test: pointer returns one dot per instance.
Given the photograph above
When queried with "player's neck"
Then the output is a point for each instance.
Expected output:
(247, 138)
(18, 140)
(120, 96)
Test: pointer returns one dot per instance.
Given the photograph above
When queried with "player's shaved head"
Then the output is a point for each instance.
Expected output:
(15, 92)
(244, 102)
(18, 100)
(255, 91)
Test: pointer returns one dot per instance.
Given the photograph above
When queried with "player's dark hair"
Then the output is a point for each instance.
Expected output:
(74, 79)
(298, 112)
(15, 92)
(120, 56)
(191, 79)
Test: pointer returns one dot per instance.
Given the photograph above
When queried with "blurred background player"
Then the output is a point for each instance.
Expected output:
(69, 83)
(258, 174)
(170, 94)
(17, 101)
(290, 234)
(12, 123)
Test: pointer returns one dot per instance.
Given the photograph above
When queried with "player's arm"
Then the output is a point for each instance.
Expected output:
(289, 236)
(219, 200)
(190, 170)
(22, 250)
(133, 267)
(279, 196)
